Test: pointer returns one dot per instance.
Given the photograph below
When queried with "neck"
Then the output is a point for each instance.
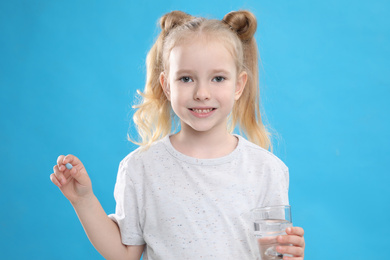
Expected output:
(204, 145)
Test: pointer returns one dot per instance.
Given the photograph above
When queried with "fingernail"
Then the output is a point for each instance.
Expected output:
(280, 239)
(288, 230)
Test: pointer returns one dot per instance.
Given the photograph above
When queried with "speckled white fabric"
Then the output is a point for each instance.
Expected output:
(187, 208)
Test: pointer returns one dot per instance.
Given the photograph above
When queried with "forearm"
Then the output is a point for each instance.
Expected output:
(101, 230)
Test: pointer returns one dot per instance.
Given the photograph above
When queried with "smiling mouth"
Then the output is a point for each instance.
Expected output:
(202, 111)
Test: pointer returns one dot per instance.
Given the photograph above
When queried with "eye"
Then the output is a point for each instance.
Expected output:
(186, 79)
(218, 79)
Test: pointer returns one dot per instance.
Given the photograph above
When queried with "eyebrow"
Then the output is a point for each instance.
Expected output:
(220, 71)
(215, 71)
(183, 71)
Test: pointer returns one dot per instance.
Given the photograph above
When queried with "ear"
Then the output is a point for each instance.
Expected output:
(240, 85)
(165, 85)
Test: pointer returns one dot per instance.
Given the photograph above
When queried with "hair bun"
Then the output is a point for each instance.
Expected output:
(173, 19)
(243, 23)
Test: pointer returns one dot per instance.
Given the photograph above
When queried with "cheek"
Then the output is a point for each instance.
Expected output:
(173, 94)
(227, 95)
(177, 98)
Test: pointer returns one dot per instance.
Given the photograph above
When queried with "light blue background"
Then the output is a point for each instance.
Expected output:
(68, 75)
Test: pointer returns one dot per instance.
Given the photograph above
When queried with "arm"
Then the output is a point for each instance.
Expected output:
(103, 233)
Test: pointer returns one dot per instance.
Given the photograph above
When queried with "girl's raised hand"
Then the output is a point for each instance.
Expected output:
(296, 240)
(74, 183)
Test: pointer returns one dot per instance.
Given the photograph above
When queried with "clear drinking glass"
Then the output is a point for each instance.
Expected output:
(270, 222)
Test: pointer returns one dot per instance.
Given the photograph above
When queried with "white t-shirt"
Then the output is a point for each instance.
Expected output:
(187, 208)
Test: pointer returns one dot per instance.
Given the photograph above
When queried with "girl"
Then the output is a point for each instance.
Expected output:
(186, 192)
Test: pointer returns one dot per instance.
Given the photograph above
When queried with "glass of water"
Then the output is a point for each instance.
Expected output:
(269, 223)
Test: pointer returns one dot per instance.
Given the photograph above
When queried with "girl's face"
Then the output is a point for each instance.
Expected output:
(202, 84)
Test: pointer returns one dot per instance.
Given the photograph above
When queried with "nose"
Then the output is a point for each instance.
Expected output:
(202, 92)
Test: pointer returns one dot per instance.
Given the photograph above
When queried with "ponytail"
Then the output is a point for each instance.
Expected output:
(246, 111)
(153, 115)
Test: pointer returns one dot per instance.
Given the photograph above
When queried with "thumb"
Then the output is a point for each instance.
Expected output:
(81, 176)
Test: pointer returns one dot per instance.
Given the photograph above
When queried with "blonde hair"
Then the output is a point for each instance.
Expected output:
(153, 117)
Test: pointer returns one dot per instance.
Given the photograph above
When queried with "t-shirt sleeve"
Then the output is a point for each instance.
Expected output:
(127, 209)
(277, 186)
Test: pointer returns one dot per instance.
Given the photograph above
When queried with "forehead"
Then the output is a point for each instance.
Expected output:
(201, 53)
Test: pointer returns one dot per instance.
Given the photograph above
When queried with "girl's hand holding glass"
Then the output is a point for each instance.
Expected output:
(275, 235)
(295, 241)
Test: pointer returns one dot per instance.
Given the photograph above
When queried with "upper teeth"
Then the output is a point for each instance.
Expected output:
(202, 110)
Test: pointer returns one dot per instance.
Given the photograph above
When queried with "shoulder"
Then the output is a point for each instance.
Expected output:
(143, 155)
(255, 153)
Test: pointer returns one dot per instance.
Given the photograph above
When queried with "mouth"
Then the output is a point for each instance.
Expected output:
(202, 110)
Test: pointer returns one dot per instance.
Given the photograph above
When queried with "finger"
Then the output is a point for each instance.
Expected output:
(59, 175)
(80, 176)
(291, 239)
(65, 171)
(292, 258)
(298, 231)
(54, 180)
(73, 160)
(291, 250)
(61, 165)
(60, 159)
(67, 162)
